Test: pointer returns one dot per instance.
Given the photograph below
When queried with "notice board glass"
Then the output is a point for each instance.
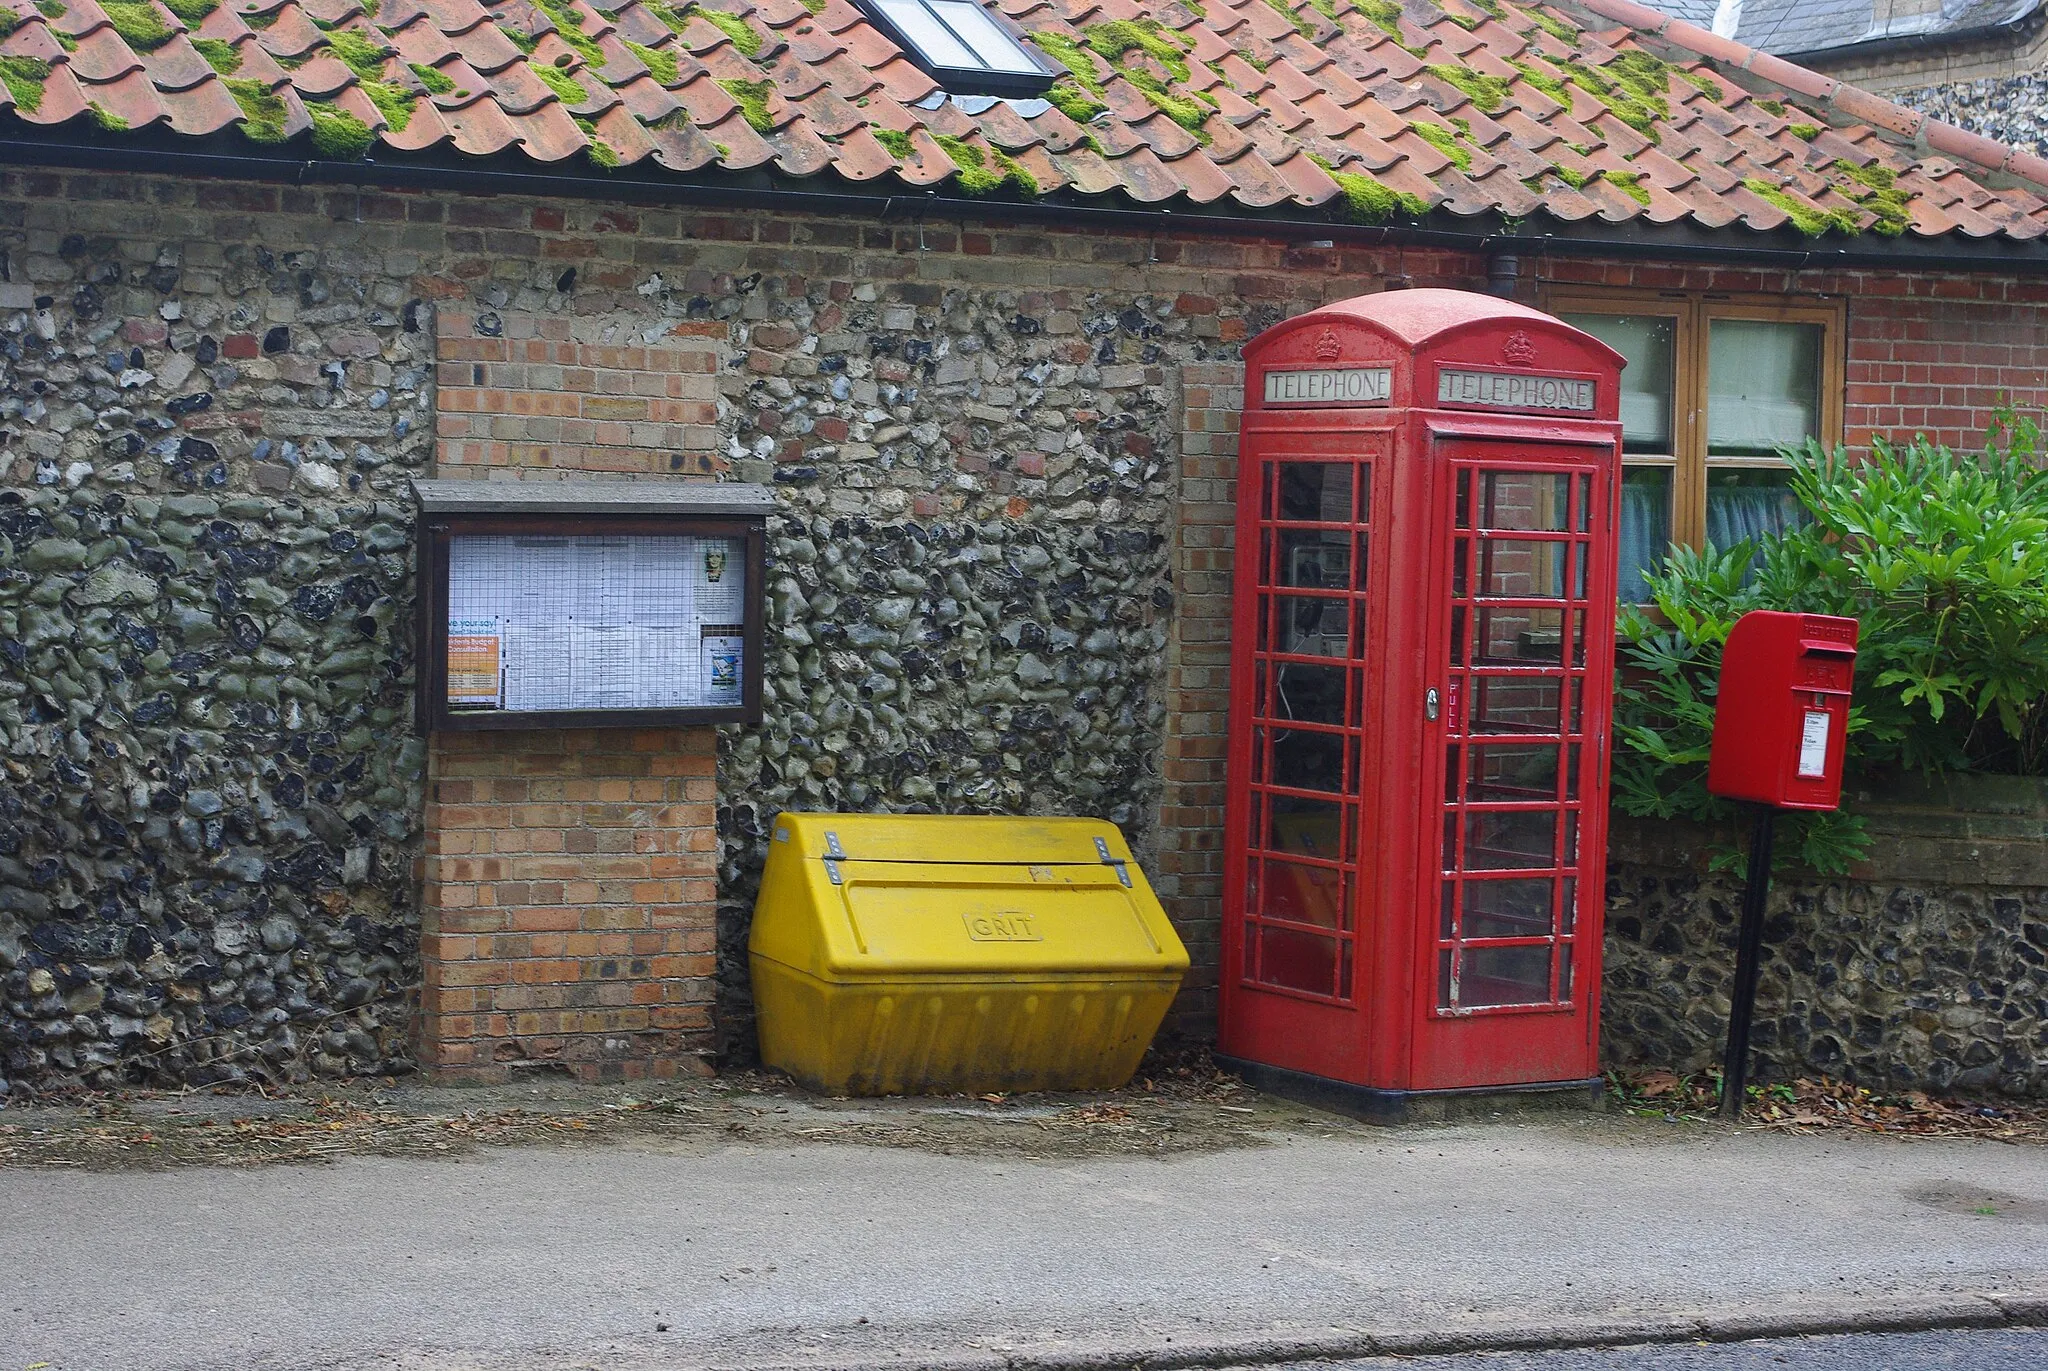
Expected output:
(533, 622)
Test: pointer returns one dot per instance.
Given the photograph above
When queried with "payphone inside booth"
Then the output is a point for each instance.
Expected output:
(1422, 670)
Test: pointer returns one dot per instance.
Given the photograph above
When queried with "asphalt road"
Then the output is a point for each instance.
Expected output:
(727, 1255)
(1971, 1350)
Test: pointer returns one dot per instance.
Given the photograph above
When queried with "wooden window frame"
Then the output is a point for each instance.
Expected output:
(1693, 312)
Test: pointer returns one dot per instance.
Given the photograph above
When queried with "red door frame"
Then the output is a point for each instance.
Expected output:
(1511, 1045)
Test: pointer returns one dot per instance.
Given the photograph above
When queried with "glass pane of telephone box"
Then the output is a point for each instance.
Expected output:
(1298, 961)
(1313, 694)
(1531, 501)
(1315, 559)
(1315, 492)
(1511, 773)
(1504, 975)
(1518, 569)
(1508, 909)
(1305, 760)
(1311, 626)
(1510, 840)
(1303, 894)
(1303, 827)
(1514, 704)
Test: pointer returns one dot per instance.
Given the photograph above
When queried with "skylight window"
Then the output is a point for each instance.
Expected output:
(963, 47)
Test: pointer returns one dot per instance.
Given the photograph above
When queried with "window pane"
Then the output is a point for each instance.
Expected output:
(1504, 975)
(1763, 386)
(994, 46)
(1312, 626)
(1307, 828)
(1508, 773)
(1298, 961)
(1505, 840)
(1317, 560)
(1310, 761)
(1311, 693)
(1646, 384)
(1315, 492)
(1507, 909)
(1645, 528)
(1749, 502)
(1524, 500)
(1304, 895)
(1512, 568)
(1515, 704)
(933, 39)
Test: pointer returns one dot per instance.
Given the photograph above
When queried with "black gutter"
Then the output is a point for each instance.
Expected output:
(767, 192)
(1914, 42)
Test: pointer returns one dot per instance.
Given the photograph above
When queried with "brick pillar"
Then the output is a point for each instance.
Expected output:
(569, 912)
(1198, 683)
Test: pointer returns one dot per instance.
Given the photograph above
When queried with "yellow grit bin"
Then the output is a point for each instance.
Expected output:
(912, 954)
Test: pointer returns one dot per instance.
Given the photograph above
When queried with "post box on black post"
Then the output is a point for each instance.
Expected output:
(1781, 723)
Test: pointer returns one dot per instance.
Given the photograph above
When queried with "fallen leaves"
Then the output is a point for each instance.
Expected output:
(1807, 1106)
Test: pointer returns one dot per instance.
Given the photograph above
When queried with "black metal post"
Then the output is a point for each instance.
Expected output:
(1748, 953)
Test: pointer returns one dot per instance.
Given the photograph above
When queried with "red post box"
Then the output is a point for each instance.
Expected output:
(1782, 717)
(1421, 673)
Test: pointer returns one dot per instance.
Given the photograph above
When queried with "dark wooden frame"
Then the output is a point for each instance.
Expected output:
(436, 531)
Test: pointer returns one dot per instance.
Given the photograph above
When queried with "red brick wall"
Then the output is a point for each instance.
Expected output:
(569, 900)
(1925, 352)
(568, 918)
(528, 395)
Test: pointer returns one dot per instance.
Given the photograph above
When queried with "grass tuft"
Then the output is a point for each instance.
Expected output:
(752, 97)
(977, 176)
(219, 54)
(1811, 221)
(24, 77)
(138, 24)
(263, 111)
(563, 84)
(661, 65)
(435, 82)
(337, 134)
(897, 142)
(1444, 141)
(1487, 92)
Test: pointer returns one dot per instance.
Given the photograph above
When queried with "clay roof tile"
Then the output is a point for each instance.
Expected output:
(1266, 84)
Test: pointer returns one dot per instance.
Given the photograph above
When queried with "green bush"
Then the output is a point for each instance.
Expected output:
(1943, 559)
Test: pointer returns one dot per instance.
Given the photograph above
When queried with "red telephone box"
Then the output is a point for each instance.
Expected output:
(1421, 673)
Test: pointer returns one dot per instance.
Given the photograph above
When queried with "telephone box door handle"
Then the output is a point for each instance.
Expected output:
(1430, 701)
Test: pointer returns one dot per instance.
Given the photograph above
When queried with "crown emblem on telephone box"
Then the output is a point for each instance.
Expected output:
(1518, 350)
(1328, 349)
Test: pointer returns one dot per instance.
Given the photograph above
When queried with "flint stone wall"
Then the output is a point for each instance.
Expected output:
(208, 800)
(1926, 968)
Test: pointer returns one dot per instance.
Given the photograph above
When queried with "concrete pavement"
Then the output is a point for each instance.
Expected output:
(1344, 1243)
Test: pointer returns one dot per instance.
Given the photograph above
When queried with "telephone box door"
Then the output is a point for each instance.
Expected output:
(1523, 646)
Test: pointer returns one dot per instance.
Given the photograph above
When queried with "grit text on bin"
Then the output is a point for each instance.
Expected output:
(1781, 721)
(923, 954)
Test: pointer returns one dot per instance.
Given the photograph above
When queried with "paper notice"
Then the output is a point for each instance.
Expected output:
(537, 669)
(1813, 745)
(716, 580)
(475, 651)
(722, 654)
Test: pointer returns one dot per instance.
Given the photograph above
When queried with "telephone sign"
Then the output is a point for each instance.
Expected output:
(1421, 671)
